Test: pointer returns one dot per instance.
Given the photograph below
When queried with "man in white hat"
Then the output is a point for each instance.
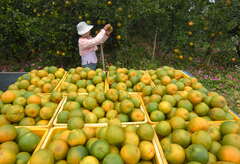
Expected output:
(88, 44)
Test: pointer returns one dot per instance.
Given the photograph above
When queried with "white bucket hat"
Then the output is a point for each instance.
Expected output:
(83, 28)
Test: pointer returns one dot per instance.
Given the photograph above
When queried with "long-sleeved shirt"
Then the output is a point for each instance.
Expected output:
(88, 47)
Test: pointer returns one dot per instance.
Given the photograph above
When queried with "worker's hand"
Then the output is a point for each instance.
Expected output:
(108, 33)
(108, 28)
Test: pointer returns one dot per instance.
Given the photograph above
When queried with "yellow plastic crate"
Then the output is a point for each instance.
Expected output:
(232, 113)
(144, 72)
(50, 123)
(55, 130)
(58, 87)
(185, 75)
(55, 123)
(152, 83)
(106, 86)
(160, 149)
(41, 132)
(147, 115)
(153, 123)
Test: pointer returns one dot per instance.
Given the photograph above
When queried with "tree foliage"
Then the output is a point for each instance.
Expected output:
(184, 27)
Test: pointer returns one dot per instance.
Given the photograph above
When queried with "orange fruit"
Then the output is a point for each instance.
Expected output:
(113, 157)
(7, 156)
(42, 73)
(42, 122)
(28, 142)
(218, 101)
(121, 86)
(229, 154)
(8, 97)
(23, 84)
(130, 154)
(147, 150)
(100, 148)
(187, 88)
(146, 79)
(201, 109)
(165, 80)
(198, 123)
(114, 134)
(75, 77)
(197, 85)
(20, 101)
(170, 99)
(32, 110)
(131, 138)
(139, 87)
(183, 113)
(62, 135)
(171, 89)
(177, 122)
(213, 94)
(166, 142)
(59, 148)
(163, 128)
(202, 137)
(157, 116)
(214, 132)
(107, 105)
(190, 23)
(137, 115)
(27, 121)
(46, 88)
(231, 139)
(42, 156)
(15, 113)
(229, 127)
(155, 98)
(215, 147)
(198, 153)
(40, 83)
(46, 113)
(126, 106)
(180, 85)
(76, 137)
(159, 90)
(10, 145)
(3, 120)
(91, 74)
(185, 104)
(90, 159)
(217, 114)
(174, 154)
(35, 80)
(90, 103)
(34, 99)
(178, 74)
(186, 81)
(89, 131)
(181, 137)
(165, 107)
(195, 97)
(75, 123)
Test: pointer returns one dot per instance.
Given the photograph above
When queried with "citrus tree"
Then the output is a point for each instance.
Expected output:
(186, 28)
